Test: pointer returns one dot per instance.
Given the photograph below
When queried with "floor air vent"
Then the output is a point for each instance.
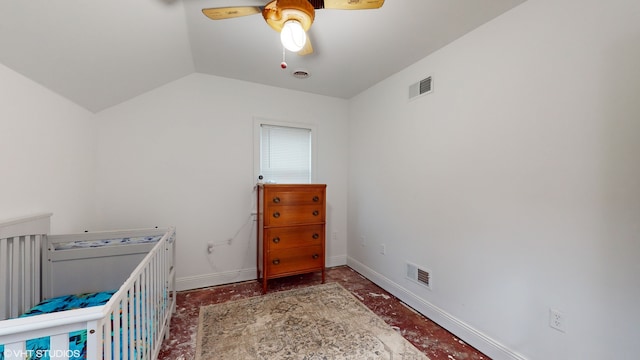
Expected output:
(422, 87)
(419, 275)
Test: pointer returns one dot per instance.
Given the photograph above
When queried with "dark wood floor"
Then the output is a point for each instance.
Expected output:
(434, 341)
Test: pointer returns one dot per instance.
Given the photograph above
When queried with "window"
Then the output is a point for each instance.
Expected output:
(285, 152)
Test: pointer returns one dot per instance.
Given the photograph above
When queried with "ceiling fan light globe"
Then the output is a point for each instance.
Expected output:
(293, 36)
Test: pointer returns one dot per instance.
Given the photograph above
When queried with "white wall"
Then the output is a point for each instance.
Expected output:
(183, 155)
(515, 182)
(46, 154)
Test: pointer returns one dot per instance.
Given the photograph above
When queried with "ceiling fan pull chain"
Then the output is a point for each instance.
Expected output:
(283, 64)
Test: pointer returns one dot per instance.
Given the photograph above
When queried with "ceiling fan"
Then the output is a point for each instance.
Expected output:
(291, 18)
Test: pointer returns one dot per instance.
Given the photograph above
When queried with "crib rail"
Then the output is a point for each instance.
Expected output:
(20, 261)
(140, 310)
(14, 333)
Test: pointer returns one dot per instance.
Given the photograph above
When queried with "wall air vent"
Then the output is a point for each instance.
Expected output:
(419, 275)
(422, 87)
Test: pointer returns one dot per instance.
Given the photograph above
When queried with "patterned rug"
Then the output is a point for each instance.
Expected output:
(317, 322)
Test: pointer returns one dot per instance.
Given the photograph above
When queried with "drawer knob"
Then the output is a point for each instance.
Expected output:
(316, 235)
(276, 240)
(276, 261)
(276, 214)
(315, 256)
(276, 199)
(316, 199)
(316, 213)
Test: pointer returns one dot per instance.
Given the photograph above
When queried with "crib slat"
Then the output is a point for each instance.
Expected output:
(4, 284)
(131, 321)
(59, 345)
(153, 316)
(36, 263)
(145, 312)
(115, 331)
(16, 280)
(26, 273)
(16, 350)
(124, 316)
(148, 300)
(160, 304)
(107, 336)
(153, 301)
(138, 312)
(94, 340)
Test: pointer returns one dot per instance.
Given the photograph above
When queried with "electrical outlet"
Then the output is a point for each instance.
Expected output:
(334, 236)
(383, 249)
(362, 241)
(556, 320)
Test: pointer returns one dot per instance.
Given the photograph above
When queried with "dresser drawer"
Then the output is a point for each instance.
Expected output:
(284, 195)
(293, 215)
(295, 260)
(294, 236)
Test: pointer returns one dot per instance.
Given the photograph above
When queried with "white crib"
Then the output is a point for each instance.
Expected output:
(35, 266)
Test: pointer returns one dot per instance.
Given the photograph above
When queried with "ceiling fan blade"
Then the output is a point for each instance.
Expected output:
(307, 49)
(353, 4)
(230, 12)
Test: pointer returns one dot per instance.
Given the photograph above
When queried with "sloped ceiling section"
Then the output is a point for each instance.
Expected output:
(96, 53)
(101, 53)
(353, 50)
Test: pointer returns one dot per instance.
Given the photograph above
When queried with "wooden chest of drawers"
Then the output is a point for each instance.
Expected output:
(291, 230)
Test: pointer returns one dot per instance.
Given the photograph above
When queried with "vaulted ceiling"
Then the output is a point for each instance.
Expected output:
(100, 53)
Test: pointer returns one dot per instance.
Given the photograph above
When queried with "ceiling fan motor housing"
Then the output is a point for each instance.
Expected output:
(277, 12)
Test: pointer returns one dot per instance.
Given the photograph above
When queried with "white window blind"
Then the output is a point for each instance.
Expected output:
(285, 154)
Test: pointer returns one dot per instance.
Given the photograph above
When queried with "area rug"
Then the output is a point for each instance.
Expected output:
(317, 322)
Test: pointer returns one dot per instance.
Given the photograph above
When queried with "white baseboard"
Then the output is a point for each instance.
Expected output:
(213, 279)
(336, 261)
(228, 277)
(464, 331)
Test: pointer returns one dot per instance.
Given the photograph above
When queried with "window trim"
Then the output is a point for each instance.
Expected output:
(259, 121)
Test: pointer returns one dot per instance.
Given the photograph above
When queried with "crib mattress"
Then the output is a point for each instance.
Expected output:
(70, 302)
(107, 242)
